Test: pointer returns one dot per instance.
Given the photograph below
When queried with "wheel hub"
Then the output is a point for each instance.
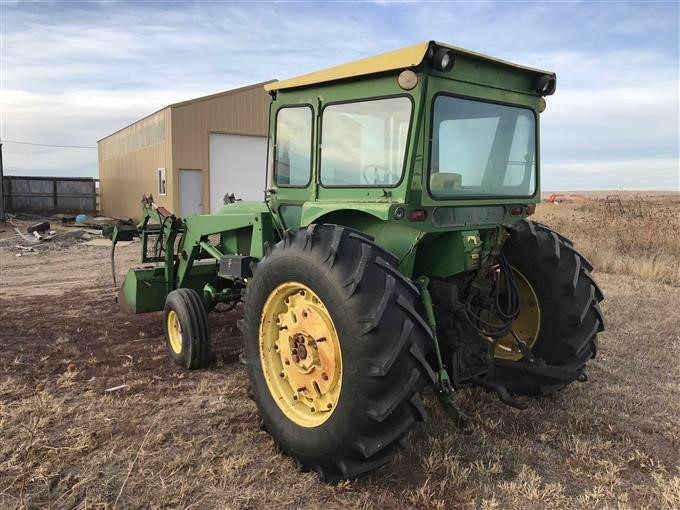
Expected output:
(300, 354)
(174, 332)
(299, 351)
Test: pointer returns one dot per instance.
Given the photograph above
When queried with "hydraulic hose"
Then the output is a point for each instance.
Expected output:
(502, 312)
(113, 263)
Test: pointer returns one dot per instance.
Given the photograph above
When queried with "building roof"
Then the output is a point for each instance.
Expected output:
(192, 101)
(410, 56)
(220, 94)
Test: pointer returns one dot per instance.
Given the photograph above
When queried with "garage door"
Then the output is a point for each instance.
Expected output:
(237, 165)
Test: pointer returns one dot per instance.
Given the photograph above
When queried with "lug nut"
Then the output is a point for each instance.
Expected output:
(312, 409)
(287, 362)
(330, 406)
(282, 374)
(324, 376)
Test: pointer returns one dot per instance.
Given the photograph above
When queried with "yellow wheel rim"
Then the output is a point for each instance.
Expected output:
(174, 332)
(300, 354)
(527, 324)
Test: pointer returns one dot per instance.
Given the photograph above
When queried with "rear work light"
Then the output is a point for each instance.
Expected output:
(417, 215)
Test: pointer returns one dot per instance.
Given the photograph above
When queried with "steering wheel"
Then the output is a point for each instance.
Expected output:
(377, 178)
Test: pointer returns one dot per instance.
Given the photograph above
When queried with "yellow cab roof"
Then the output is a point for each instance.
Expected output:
(410, 56)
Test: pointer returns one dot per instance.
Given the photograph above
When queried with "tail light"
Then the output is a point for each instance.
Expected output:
(531, 209)
(517, 210)
(417, 215)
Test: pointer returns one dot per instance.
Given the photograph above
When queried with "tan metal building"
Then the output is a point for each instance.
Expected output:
(188, 155)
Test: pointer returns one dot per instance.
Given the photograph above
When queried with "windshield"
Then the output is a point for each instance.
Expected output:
(482, 149)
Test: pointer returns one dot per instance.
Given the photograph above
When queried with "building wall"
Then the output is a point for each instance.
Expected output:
(173, 138)
(242, 111)
(128, 165)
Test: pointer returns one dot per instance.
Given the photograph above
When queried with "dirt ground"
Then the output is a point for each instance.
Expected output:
(176, 439)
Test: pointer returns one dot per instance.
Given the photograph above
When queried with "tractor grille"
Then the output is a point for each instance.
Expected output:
(153, 247)
(214, 239)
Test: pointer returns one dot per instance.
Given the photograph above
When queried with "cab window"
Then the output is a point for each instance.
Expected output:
(481, 149)
(364, 143)
(293, 146)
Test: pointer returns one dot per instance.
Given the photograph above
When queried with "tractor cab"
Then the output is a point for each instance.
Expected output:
(407, 146)
(433, 136)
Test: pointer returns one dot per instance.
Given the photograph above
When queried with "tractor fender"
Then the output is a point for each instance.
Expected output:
(319, 212)
(398, 238)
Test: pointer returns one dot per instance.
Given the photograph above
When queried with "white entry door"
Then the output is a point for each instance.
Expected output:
(190, 192)
(237, 165)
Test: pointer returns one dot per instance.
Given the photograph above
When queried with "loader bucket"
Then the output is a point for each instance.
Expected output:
(144, 290)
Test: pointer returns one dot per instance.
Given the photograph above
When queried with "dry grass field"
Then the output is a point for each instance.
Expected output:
(638, 236)
(175, 439)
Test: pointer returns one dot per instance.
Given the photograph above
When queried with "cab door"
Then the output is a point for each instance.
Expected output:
(292, 161)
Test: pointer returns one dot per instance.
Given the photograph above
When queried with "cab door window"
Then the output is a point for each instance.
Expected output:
(293, 147)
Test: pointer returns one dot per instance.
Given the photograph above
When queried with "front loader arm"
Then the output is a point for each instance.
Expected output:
(243, 231)
(160, 224)
(243, 228)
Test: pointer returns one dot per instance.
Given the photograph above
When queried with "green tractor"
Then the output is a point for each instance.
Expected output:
(392, 252)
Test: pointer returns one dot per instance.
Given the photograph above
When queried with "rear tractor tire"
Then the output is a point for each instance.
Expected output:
(334, 348)
(560, 316)
(186, 329)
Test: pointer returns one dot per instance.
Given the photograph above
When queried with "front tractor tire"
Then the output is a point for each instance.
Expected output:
(334, 347)
(186, 329)
(557, 287)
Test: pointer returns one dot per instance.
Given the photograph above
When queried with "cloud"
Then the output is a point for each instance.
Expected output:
(642, 174)
(595, 124)
(74, 72)
(613, 122)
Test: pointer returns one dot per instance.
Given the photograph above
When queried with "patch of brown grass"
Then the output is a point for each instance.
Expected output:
(641, 239)
(177, 439)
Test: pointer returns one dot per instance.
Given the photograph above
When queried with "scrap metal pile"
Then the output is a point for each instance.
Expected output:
(31, 236)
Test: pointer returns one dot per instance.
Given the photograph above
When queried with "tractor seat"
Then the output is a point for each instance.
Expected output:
(445, 182)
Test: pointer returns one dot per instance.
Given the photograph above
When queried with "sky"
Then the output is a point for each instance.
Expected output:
(73, 72)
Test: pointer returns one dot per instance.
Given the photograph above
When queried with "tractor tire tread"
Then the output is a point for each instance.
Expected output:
(389, 331)
(198, 355)
(200, 326)
(381, 410)
(571, 298)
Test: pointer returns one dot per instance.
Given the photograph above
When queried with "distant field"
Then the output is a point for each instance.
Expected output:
(175, 439)
(640, 235)
(624, 194)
